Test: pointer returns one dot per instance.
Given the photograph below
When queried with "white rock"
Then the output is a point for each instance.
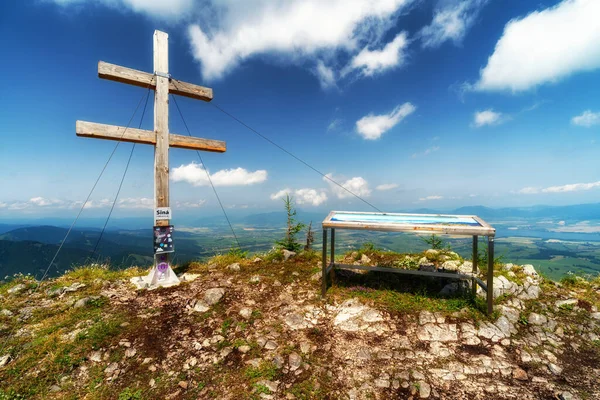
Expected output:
(234, 267)
(437, 333)
(295, 361)
(528, 269)
(16, 289)
(432, 254)
(424, 389)
(365, 259)
(246, 312)
(503, 286)
(296, 321)
(288, 254)
(562, 303)
(426, 317)
(255, 279)
(450, 265)
(537, 319)
(201, 306)
(213, 296)
(5, 359)
(555, 369)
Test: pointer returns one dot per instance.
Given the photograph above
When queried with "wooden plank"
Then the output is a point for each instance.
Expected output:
(132, 135)
(161, 123)
(134, 77)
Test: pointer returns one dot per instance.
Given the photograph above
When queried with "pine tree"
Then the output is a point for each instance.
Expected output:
(310, 237)
(293, 227)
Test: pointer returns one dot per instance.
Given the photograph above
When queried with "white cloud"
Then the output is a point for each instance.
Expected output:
(293, 30)
(281, 194)
(195, 174)
(303, 196)
(3, 205)
(190, 204)
(43, 202)
(357, 185)
(310, 196)
(163, 9)
(333, 125)
(431, 198)
(387, 186)
(326, 75)
(427, 151)
(573, 187)
(545, 46)
(371, 127)
(587, 119)
(529, 190)
(451, 20)
(487, 117)
(371, 62)
(140, 202)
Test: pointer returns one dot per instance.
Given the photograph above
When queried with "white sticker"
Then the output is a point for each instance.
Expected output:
(162, 213)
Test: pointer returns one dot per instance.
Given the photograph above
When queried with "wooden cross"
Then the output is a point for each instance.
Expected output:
(162, 84)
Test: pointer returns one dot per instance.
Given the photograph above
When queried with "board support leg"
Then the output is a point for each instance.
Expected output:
(475, 257)
(332, 263)
(490, 275)
(324, 265)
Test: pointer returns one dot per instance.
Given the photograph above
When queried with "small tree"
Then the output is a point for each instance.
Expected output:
(293, 227)
(310, 237)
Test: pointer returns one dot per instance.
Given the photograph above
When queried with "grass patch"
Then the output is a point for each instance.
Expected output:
(265, 370)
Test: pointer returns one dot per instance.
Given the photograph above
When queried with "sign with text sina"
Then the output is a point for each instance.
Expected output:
(162, 213)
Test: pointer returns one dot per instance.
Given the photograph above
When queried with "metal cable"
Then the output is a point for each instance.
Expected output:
(122, 180)
(207, 174)
(294, 156)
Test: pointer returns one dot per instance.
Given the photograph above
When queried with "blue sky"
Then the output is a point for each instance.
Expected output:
(408, 103)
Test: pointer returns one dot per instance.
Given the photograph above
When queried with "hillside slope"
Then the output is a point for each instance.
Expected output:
(252, 329)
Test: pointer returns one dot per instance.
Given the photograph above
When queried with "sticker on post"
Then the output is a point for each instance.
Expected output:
(162, 213)
(163, 239)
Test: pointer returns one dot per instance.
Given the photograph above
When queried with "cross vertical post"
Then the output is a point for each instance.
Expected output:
(161, 274)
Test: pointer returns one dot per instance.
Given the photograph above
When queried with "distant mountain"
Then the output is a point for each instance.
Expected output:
(34, 257)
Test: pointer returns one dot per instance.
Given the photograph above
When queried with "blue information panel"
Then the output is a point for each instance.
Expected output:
(405, 219)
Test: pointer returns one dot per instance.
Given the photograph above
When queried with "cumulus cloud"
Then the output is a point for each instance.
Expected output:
(387, 186)
(357, 185)
(371, 127)
(156, 8)
(195, 174)
(303, 196)
(371, 62)
(451, 21)
(431, 198)
(487, 117)
(294, 30)
(587, 119)
(572, 187)
(544, 46)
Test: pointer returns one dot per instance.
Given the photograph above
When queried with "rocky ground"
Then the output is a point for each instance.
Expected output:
(258, 328)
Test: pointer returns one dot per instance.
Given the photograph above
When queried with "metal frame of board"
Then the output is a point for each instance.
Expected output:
(376, 222)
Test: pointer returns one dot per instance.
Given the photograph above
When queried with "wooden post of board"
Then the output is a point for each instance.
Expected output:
(161, 138)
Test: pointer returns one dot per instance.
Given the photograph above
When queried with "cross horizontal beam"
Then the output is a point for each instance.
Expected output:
(132, 135)
(134, 77)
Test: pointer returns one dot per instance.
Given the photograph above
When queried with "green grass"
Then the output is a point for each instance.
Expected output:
(266, 370)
